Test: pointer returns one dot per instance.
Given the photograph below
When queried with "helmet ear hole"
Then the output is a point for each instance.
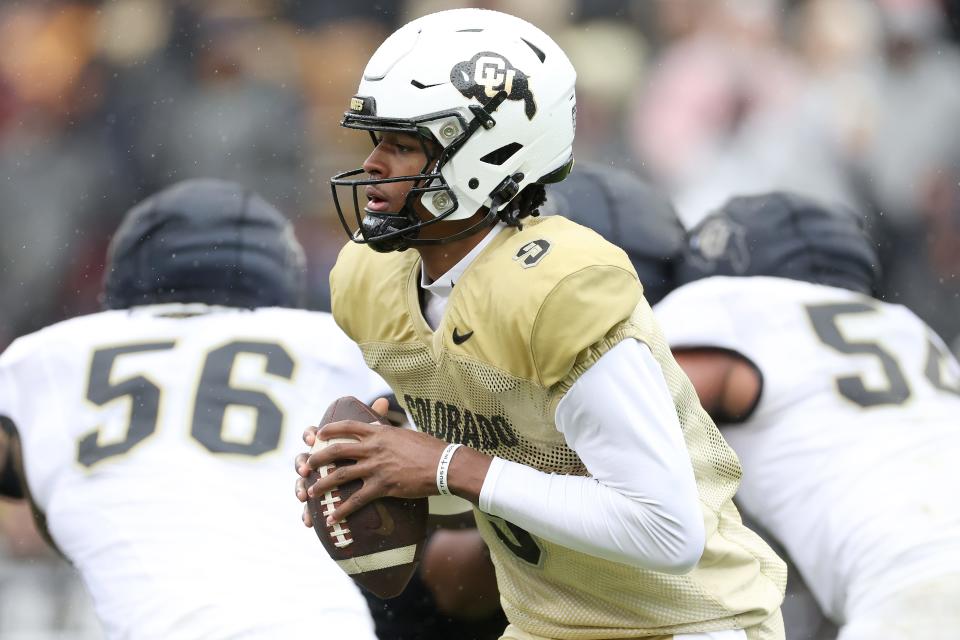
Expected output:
(499, 156)
(474, 183)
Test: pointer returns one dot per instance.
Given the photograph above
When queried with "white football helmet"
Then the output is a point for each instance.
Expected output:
(492, 90)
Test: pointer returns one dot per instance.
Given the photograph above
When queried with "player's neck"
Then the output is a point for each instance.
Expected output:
(440, 258)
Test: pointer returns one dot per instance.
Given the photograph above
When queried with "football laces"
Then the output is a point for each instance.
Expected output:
(337, 531)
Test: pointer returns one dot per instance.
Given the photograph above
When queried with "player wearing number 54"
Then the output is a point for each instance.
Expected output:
(524, 352)
(154, 438)
(842, 408)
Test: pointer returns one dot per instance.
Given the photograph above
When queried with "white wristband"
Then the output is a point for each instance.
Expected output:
(444, 466)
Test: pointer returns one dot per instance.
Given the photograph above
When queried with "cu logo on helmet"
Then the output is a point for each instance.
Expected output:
(486, 74)
(722, 239)
(493, 74)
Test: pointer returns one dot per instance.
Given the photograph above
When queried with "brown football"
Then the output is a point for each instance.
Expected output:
(379, 544)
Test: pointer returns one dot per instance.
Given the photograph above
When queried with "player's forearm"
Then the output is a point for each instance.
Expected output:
(468, 468)
(641, 505)
(585, 515)
(581, 513)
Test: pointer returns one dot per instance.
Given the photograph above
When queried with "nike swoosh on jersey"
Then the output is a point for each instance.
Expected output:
(460, 339)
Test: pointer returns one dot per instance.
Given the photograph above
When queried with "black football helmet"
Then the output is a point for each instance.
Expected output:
(208, 241)
(629, 213)
(784, 235)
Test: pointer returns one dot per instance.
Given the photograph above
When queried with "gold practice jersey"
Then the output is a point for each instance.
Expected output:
(534, 311)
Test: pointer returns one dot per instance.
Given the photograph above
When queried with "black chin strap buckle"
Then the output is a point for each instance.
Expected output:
(506, 190)
(503, 194)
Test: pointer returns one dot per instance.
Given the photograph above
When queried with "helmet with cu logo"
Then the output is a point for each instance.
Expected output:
(783, 235)
(496, 96)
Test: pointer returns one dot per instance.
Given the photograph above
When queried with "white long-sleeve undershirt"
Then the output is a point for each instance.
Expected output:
(640, 505)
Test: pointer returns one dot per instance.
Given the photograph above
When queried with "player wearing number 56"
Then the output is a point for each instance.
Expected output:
(524, 352)
(843, 409)
(154, 437)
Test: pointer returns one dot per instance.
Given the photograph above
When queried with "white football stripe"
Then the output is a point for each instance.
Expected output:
(379, 560)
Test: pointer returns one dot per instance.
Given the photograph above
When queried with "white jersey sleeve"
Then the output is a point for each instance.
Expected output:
(159, 445)
(849, 458)
(640, 504)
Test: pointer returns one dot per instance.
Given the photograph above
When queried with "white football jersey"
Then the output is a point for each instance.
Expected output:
(851, 458)
(159, 443)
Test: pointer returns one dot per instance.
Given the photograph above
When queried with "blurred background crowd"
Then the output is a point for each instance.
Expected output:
(103, 102)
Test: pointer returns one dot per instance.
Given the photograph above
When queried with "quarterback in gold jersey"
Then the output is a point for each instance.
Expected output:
(526, 356)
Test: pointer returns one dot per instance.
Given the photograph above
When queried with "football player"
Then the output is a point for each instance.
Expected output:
(601, 487)
(155, 436)
(454, 593)
(842, 408)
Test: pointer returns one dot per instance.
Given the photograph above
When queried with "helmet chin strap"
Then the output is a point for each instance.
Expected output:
(503, 194)
(381, 224)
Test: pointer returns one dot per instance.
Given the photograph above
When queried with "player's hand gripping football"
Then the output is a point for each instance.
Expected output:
(391, 462)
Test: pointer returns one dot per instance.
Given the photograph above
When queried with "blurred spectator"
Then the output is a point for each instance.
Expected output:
(952, 8)
(937, 277)
(710, 122)
(672, 20)
(908, 135)
(548, 15)
(616, 55)
(57, 178)
(232, 113)
(913, 139)
(312, 14)
(330, 58)
(51, 190)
